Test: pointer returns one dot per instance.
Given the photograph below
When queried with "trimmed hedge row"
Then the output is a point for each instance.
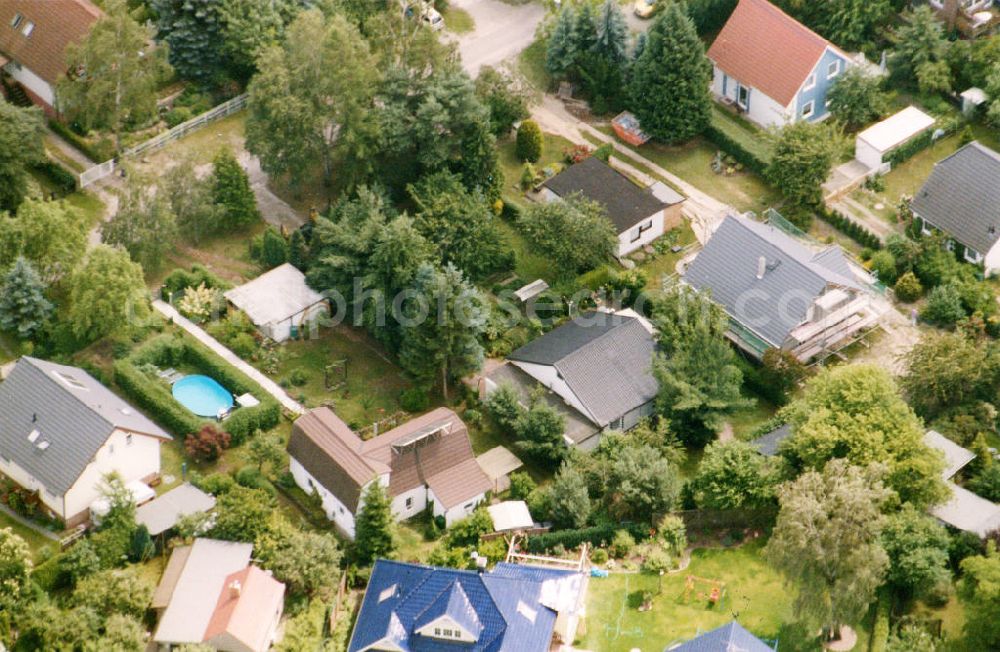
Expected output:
(103, 150)
(748, 159)
(922, 142)
(848, 227)
(155, 397)
(599, 535)
(57, 174)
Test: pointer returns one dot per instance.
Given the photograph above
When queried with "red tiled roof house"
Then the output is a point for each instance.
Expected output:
(427, 461)
(34, 35)
(772, 68)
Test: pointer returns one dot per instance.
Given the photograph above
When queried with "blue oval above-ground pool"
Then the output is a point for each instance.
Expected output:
(202, 395)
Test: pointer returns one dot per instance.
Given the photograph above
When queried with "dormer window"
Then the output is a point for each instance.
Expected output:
(68, 380)
(16, 22)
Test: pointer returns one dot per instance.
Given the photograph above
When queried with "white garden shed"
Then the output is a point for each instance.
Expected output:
(277, 300)
(874, 143)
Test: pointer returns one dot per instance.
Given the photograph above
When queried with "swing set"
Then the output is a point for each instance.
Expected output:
(712, 591)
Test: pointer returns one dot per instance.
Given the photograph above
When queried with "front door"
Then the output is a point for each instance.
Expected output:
(742, 97)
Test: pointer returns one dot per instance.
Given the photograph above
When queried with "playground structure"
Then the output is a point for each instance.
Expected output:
(715, 592)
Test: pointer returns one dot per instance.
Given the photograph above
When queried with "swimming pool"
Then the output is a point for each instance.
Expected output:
(202, 395)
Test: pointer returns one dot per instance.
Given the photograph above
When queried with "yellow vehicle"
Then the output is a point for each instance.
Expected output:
(645, 8)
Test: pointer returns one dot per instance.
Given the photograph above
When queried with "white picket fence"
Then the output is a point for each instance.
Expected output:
(98, 172)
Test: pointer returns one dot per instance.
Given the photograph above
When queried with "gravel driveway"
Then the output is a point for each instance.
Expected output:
(502, 32)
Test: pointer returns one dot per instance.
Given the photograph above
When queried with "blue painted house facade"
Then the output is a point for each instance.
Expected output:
(773, 69)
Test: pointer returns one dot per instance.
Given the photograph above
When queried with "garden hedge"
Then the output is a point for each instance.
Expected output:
(850, 228)
(57, 174)
(599, 535)
(155, 396)
(922, 142)
(103, 150)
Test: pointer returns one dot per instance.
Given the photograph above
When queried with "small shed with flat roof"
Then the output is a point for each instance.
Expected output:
(872, 145)
(278, 300)
(163, 513)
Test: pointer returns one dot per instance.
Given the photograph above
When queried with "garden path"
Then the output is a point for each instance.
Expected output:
(199, 334)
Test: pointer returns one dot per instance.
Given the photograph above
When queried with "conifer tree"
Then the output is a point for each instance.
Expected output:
(374, 528)
(232, 193)
(23, 306)
(561, 52)
(612, 32)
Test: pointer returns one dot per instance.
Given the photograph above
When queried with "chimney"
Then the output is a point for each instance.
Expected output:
(235, 588)
(481, 564)
(761, 267)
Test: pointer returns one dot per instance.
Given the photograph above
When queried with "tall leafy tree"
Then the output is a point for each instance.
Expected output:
(980, 591)
(231, 192)
(52, 236)
(15, 570)
(920, 51)
(505, 97)
(848, 23)
(442, 327)
(307, 562)
(540, 431)
(827, 542)
(311, 99)
(575, 235)
(250, 26)
(24, 310)
(856, 98)
(107, 293)
(612, 32)
(194, 30)
(641, 484)
(461, 226)
(20, 147)
(114, 73)
(855, 413)
(144, 224)
(670, 79)
(695, 366)
(569, 498)
(946, 370)
(801, 163)
(732, 475)
(917, 546)
(190, 201)
(374, 528)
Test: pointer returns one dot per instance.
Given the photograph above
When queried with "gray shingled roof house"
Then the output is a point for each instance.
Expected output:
(778, 292)
(639, 215)
(61, 431)
(425, 461)
(962, 198)
(600, 366)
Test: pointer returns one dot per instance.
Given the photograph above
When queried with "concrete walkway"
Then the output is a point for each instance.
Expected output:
(704, 211)
(31, 525)
(67, 149)
(199, 334)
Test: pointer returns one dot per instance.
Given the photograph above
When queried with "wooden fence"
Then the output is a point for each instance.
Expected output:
(103, 170)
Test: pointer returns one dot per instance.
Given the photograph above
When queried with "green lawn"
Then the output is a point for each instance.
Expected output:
(458, 20)
(34, 540)
(692, 162)
(225, 255)
(531, 64)
(754, 591)
(746, 134)
(373, 382)
(528, 264)
(746, 421)
(201, 145)
(553, 152)
(663, 265)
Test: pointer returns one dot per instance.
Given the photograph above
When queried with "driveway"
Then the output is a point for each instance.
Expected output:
(502, 32)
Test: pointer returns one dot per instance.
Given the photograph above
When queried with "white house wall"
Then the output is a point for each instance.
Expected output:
(32, 82)
(763, 110)
(625, 243)
(991, 262)
(137, 460)
(26, 480)
(456, 513)
(864, 152)
(335, 510)
(418, 496)
(548, 376)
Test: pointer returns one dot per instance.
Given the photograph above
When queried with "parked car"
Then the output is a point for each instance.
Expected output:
(428, 15)
(645, 8)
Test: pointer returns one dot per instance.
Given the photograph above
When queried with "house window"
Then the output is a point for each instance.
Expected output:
(807, 109)
(645, 226)
(16, 22)
(833, 69)
(469, 506)
(128, 439)
(972, 256)
(28, 28)
(409, 503)
(437, 631)
(810, 82)
(446, 632)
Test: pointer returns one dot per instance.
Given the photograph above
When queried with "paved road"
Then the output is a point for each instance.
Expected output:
(502, 32)
(199, 334)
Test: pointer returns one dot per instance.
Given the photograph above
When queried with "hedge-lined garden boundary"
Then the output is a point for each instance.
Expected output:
(730, 146)
(154, 395)
(849, 227)
(599, 535)
(923, 141)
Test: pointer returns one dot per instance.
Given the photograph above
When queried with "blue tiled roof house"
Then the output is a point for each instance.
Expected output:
(409, 607)
(731, 637)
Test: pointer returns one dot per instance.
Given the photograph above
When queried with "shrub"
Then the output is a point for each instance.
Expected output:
(414, 399)
(600, 535)
(207, 444)
(848, 227)
(657, 560)
(908, 288)
(622, 544)
(242, 344)
(177, 115)
(528, 176)
(599, 557)
(251, 477)
(673, 533)
(57, 174)
(521, 485)
(528, 146)
(298, 377)
(884, 264)
(944, 306)
(604, 152)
